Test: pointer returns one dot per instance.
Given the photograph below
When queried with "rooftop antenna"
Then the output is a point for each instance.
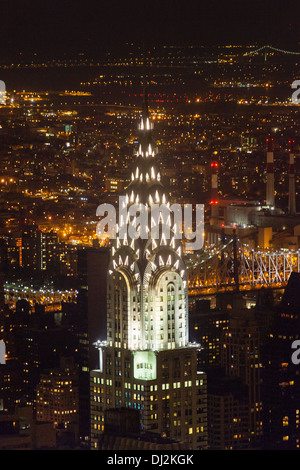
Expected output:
(144, 81)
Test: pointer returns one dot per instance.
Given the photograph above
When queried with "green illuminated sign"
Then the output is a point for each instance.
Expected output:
(144, 365)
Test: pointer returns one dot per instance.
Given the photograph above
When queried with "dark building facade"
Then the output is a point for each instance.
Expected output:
(281, 377)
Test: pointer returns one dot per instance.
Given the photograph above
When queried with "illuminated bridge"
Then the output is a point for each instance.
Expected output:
(46, 296)
(233, 266)
(266, 49)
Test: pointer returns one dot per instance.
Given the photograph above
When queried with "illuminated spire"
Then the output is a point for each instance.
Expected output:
(146, 175)
(145, 111)
(152, 264)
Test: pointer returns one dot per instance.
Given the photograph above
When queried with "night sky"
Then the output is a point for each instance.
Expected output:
(67, 27)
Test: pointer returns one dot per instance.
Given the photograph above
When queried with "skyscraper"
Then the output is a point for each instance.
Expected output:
(57, 394)
(240, 357)
(281, 377)
(146, 361)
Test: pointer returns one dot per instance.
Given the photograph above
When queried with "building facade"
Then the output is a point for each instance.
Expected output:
(57, 398)
(146, 362)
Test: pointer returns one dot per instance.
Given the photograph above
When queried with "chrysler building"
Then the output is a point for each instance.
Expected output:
(146, 362)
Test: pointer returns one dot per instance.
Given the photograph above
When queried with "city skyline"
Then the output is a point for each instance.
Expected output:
(140, 338)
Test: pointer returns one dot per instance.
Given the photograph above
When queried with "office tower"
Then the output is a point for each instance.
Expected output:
(48, 251)
(66, 254)
(227, 413)
(10, 252)
(281, 375)
(39, 349)
(89, 321)
(31, 248)
(240, 357)
(92, 268)
(206, 327)
(146, 362)
(39, 250)
(57, 398)
(10, 385)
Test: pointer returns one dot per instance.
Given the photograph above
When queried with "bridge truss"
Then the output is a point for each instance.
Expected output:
(265, 49)
(234, 266)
